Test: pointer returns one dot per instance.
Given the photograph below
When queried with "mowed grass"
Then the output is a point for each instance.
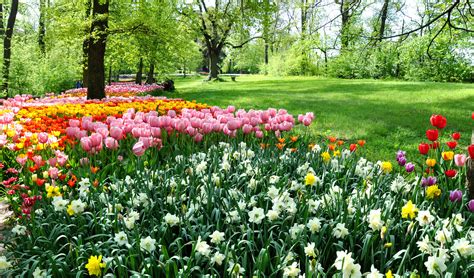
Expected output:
(389, 115)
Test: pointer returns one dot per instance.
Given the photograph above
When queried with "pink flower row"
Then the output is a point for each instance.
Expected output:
(121, 88)
(148, 127)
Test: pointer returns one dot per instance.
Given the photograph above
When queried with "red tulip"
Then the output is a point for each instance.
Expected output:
(438, 121)
(456, 136)
(423, 148)
(470, 149)
(432, 134)
(435, 145)
(452, 144)
(353, 147)
(450, 173)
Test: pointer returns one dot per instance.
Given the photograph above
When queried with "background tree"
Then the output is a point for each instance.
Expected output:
(7, 41)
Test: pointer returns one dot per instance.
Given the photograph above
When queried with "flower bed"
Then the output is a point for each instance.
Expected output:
(126, 89)
(194, 191)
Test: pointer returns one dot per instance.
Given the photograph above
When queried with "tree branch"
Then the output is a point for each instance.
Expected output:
(244, 43)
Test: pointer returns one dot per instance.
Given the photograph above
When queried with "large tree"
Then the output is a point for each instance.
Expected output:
(214, 22)
(96, 52)
(7, 41)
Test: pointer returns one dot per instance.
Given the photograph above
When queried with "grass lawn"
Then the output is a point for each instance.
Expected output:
(389, 115)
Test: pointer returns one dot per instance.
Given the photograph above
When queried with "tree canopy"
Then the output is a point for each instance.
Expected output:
(49, 45)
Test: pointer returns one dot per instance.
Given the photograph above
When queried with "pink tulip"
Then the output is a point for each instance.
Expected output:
(307, 121)
(74, 123)
(138, 149)
(86, 144)
(247, 128)
(21, 160)
(259, 134)
(233, 124)
(198, 137)
(116, 133)
(53, 161)
(96, 139)
(460, 159)
(53, 172)
(84, 161)
(38, 160)
(155, 132)
(43, 137)
(111, 143)
(104, 131)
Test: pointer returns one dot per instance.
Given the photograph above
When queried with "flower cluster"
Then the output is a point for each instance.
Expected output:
(123, 89)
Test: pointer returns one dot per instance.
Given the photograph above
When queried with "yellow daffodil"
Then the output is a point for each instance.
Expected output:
(389, 274)
(433, 191)
(95, 265)
(326, 157)
(69, 210)
(409, 210)
(387, 167)
(52, 191)
(310, 179)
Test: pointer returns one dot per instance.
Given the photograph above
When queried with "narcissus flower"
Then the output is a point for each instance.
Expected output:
(326, 157)
(310, 179)
(409, 210)
(433, 191)
(386, 167)
(95, 265)
(52, 191)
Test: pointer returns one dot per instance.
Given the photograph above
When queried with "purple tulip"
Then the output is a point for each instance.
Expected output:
(428, 181)
(400, 154)
(402, 161)
(455, 196)
(470, 205)
(409, 167)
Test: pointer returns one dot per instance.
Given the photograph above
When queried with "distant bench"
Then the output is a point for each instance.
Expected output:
(233, 76)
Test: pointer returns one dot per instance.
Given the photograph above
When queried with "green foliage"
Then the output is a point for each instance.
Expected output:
(297, 60)
(33, 73)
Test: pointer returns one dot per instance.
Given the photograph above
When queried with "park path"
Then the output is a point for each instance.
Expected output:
(5, 214)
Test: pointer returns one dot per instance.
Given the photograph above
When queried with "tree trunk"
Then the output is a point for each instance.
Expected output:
(2, 28)
(266, 54)
(7, 41)
(150, 77)
(138, 78)
(213, 63)
(345, 16)
(97, 43)
(85, 46)
(42, 28)
(383, 19)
